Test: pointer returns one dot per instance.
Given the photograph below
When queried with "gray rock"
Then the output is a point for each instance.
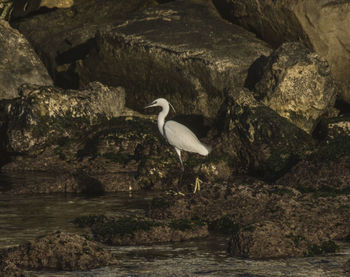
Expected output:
(181, 50)
(320, 25)
(297, 84)
(18, 63)
(256, 138)
(63, 36)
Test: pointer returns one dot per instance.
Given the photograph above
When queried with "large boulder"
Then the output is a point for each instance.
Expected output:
(257, 138)
(63, 36)
(297, 84)
(18, 63)
(320, 25)
(182, 50)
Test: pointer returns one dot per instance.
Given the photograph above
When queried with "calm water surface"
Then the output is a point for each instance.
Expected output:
(25, 217)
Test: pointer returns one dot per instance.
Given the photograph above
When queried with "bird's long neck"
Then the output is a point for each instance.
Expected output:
(161, 118)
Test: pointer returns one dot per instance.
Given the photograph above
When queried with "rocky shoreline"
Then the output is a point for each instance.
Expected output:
(275, 109)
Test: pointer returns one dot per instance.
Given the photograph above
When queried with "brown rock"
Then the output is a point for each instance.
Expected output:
(298, 85)
(58, 251)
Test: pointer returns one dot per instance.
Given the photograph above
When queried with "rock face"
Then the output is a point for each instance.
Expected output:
(63, 36)
(58, 251)
(44, 115)
(182, 51)
(297, 84)
(257, 138)
(18, 63)
(318, 24)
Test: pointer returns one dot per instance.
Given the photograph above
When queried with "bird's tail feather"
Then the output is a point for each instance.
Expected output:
(208, 147)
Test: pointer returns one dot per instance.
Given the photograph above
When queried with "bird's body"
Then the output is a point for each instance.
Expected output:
(178, 135)
(181, 137)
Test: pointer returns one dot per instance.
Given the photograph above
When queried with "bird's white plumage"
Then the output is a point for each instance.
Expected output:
(181, 137)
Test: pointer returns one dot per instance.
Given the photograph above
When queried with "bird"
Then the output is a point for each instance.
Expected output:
(178, 135)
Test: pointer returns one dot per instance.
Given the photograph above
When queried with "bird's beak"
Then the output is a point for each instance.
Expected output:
(150, 105)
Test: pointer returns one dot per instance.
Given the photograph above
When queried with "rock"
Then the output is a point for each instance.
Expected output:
(135, 231)
(347, 267)
(182, 51)
(263, 240)
(44, 115)
(338, 127)
(297, 84)
(256, 138)
(57, 251)
(326, 170)
(57, 3)
(71, 32)
(273, 240)
(18, 63)
(318, 24)
(5, 9)
(264, 220)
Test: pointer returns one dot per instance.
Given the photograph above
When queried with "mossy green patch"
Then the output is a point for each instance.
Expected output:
(333, 150)
(122, 226)
(122, 158)
(296, 239)
(326, 247)
(89, 220)
(325, 191)
(159, 203)
(184, 224)
(225, 225)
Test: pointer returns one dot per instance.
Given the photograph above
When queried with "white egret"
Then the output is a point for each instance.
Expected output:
(178, 135)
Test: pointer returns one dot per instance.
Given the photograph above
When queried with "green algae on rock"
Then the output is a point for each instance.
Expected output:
(135, 231)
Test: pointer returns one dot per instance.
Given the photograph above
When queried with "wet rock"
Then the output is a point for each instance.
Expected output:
(135, 231)
(272, 239)
(326, 170)
(263, 240)
(264, 220)
(58, 251)
(18, 63)
(298, 85)
(347, 267)
(318, 24)
(256, 138)
(71, 32)
(182, 51)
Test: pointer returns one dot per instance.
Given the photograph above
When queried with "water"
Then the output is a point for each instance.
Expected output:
(25, 217)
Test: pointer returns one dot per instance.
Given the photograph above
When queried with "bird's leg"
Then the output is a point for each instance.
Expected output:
(178, 151)
(197, 183)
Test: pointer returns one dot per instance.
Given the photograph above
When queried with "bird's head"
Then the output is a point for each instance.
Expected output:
(161, 102)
